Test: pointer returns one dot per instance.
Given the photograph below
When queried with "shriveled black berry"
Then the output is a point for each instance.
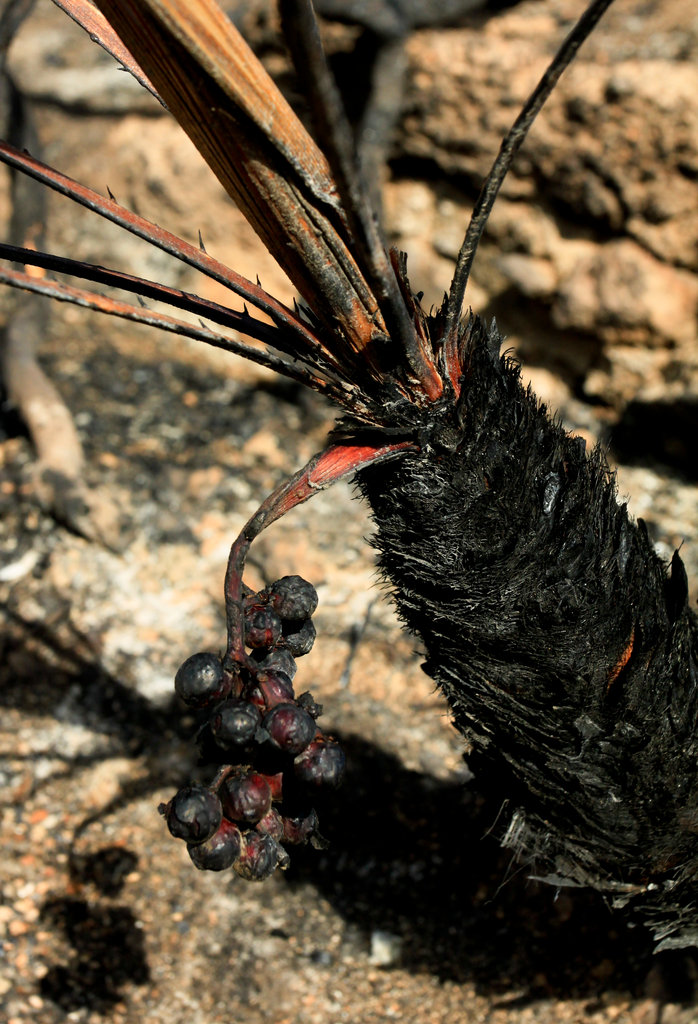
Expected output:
(199, 681)
(246, 797)
(290, 728)
(234, 723)
(259, 857)
(220, 851)
(300, 639)
(278, 660)
(193, 814)
(262, 626)
(293, 598)
(275, 687)
(322, 763)
(299, 828)
(309, 704)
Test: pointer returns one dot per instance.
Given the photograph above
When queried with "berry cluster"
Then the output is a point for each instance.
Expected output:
(270, 754)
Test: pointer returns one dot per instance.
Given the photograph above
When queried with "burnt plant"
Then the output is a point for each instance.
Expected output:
(564, 645)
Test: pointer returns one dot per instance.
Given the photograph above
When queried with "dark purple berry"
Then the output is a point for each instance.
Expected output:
(194, 813)
(199, 681)
(321, 764)
(290, 728)
(298, 830)
(258, 858)
(246, 797)
(275, 687)
(262, 626)
(234, 723)
(272, 825)
(293, 598)
(300, 639)
(218, 852)
(278, 660)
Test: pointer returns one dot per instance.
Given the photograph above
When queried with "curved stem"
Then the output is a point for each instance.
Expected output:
(336, 462)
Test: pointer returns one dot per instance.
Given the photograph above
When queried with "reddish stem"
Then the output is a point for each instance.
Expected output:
(324, 469)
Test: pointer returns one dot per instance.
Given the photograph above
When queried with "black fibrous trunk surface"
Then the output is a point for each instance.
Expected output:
(562, 642)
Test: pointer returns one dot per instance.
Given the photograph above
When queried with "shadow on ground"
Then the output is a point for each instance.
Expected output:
(414, 856)
(410, 855)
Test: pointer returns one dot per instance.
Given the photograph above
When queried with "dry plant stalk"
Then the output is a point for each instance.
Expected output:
(565, 647)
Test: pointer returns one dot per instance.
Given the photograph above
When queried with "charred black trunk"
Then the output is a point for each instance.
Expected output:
(563, 645)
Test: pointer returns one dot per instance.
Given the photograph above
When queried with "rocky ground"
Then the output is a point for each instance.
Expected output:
(412, 913)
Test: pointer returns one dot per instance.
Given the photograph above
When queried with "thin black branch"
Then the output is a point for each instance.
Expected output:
(507, 151)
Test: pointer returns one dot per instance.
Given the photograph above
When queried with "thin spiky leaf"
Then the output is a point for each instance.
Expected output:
(114, 307)
(307, 341)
